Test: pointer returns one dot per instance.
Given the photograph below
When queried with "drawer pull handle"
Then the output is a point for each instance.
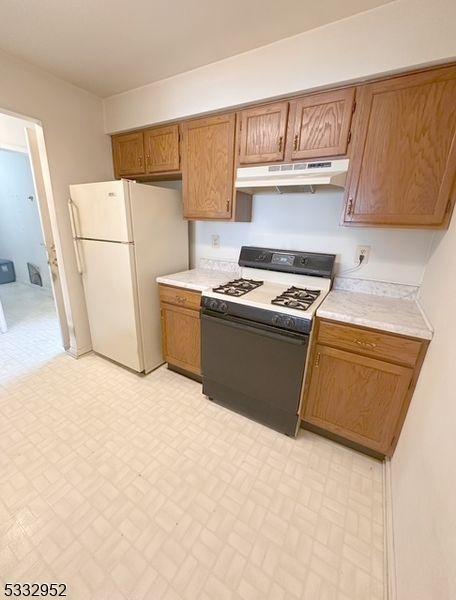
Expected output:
(181, 299)
(295, 142)
(365, 344)
(280, 143)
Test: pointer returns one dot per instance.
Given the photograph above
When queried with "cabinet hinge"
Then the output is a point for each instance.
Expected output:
(354, 106)
(317, 360)
(349, 137)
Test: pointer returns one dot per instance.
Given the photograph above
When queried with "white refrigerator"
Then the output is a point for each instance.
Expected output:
(125, 235)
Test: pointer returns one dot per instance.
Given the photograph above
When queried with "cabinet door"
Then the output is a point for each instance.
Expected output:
(321, 124)
(181, 331)
(404, 151)
(262, 133)
(356, 397)
(208, 167)
(161, 146)
(128, 153)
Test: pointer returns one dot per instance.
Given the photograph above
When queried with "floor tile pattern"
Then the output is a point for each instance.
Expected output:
(138, 487)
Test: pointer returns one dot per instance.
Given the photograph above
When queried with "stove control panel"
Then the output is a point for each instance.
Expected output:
(288, 261)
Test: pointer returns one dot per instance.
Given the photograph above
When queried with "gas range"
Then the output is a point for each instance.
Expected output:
(282, 289)
(255, 333)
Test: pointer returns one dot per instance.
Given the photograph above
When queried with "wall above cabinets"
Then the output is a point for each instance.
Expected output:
(399, 134)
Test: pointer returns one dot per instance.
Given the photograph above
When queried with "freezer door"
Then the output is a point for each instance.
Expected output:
(109, 278)
(101, 211)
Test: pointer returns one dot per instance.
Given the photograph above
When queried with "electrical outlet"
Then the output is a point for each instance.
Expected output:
(215, 240)
(362, 251)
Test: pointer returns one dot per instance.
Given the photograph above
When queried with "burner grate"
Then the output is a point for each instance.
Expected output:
(237, 287)
(297, 298)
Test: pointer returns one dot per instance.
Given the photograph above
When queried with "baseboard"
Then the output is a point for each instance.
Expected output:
(390, 555)
(77, 352)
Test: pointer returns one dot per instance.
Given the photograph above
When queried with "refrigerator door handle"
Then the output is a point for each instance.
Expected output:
(79, 263)
(71, 207)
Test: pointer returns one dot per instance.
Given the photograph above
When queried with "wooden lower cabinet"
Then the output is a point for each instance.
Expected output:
(181, 328)
(356, 396)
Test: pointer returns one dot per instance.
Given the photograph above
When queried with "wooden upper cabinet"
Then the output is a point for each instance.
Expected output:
(402, 171)
(128, 151)
(320, 124)
(357, 397)
(208, 167)
(262, 133)
(161, 146)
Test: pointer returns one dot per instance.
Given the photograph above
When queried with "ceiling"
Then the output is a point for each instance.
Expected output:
(110, 46)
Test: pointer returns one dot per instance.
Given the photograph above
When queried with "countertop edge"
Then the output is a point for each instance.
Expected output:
(185, 285)
(423, 334)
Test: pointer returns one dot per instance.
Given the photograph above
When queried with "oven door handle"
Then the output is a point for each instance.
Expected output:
(258, 328)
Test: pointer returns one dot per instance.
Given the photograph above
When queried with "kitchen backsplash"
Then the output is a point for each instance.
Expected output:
(379, 288)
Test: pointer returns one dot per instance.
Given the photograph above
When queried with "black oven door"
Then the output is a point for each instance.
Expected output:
(254, 369)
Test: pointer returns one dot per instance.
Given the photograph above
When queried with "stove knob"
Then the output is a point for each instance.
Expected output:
(289, 322)
(223, 307)
(213, 304)
(276, 320)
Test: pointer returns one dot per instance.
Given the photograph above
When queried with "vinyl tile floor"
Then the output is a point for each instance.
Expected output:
(130, 487)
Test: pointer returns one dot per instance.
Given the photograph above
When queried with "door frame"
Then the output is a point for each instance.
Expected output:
(36, 151)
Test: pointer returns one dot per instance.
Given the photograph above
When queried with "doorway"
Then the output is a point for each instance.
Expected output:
(32, 317)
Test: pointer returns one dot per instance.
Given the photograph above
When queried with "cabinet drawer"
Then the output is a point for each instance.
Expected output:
(370, 343)
(180, 296)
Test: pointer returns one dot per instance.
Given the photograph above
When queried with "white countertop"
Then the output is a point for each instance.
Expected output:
(197, 279)
(397, 315)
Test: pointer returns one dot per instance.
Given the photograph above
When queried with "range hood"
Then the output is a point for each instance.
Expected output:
(295, 177)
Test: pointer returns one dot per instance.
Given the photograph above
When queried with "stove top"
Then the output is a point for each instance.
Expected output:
(282, 288)
(238, 287)
(297, 298)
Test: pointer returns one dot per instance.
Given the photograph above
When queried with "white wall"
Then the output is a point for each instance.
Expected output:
(311, 222)
(392, 37)
(423, 466)
(12, 133)
(78, 152)
(21, 236)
